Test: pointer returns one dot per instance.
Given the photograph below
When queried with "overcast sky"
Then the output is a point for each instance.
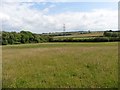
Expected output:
(42, 17)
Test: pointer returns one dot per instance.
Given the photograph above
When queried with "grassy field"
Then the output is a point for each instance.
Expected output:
(78, 35)
(60, 65)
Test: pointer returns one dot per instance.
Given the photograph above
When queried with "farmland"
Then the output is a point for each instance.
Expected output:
(60, 65)
(80, 35)
(25, 37)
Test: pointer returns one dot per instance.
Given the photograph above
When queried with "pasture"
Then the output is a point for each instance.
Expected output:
(60, 65)
(84, 35)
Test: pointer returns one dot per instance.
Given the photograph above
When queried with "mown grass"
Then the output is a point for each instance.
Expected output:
(60, 65)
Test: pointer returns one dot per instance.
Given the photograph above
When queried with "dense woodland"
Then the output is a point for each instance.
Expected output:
(29, 37)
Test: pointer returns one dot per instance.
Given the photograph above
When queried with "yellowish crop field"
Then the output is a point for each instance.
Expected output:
(60, 65)
(78, 35)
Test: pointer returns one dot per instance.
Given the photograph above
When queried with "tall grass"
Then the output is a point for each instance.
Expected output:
(60, 65)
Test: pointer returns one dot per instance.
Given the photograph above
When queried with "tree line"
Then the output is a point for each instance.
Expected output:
(23, 37)
(111, 33)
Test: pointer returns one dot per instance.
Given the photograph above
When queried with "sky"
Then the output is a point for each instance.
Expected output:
(45, 17)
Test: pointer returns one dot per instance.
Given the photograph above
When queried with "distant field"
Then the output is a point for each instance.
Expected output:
(78, 35)
(60, 65)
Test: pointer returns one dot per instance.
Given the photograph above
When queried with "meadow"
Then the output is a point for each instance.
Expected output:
(60, 65)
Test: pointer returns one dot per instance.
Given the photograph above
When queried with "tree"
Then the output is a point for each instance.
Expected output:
(4, 38)
(11, 38)
(23, 37)
(36, 38)
(89, 31)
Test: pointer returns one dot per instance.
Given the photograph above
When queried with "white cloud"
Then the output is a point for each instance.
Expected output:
(46, 10)
(4, 16)
(17, 16)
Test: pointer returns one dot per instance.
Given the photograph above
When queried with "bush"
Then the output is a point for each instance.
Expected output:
(101, 39)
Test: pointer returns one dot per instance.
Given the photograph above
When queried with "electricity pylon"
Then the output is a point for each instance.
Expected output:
(64, 29)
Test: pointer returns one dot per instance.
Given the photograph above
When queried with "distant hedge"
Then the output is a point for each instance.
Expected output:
(109, 36)
(95, 39)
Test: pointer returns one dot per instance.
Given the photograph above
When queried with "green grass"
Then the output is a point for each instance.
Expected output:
(60, 65)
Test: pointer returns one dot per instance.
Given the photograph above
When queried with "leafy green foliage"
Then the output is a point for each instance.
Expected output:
(28, 37)
(112, 33)
(23, 37)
